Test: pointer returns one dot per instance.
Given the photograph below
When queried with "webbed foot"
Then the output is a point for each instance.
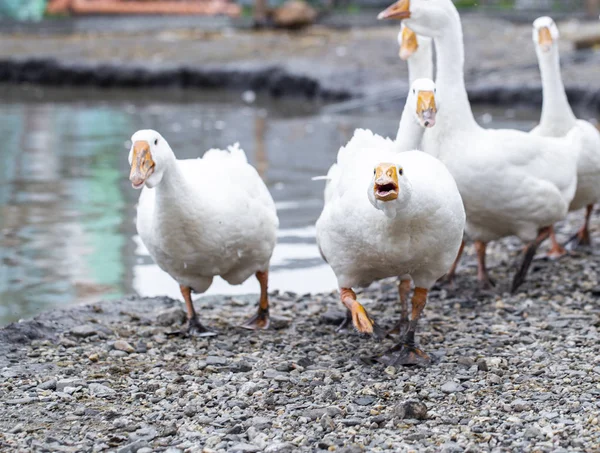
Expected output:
(260, 321)
(405, 354)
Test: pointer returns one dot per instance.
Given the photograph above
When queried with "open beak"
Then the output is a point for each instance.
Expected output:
(399, 10)
(386, 182)
(545, 39)
(142, 165)
(426, 109)
(409, 44)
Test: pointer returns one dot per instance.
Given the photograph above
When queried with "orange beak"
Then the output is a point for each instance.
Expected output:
(386, 182)
(410, 44)
(142, 165)
(399, 10)
(545, 39)
(426, 109)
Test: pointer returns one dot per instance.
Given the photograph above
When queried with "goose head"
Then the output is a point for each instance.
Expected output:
(545, 34)
(410, 43)
(390, 190)
(424, 17)
(421, 102)
(149, 156)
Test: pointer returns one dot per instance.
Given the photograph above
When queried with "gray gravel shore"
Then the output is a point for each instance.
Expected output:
(320, 62)
(511, 373)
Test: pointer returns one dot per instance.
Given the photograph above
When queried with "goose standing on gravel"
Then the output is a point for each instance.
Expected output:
(408, 223)
(204, 217)
(511, 182)
(558, 119)
(417, 51)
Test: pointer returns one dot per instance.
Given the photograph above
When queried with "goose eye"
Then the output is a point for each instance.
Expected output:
(156, 141)
(414, 91)
(375, 171)
(400, 171)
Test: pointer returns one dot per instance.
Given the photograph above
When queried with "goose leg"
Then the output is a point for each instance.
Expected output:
(485, 282)
(449, 277)
(346, 322)
(193, 326)
(261, 320)
(582, 237)
(406, 351)
(402, 325)
(360, 318)
(530, 250)
(557, 250)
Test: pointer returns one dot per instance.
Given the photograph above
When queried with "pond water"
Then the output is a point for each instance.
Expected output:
(67, 209)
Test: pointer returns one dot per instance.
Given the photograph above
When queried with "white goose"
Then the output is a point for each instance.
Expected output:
(386, 214)
(204, 217)
(417, 50)
(558, 119)
(511, 182)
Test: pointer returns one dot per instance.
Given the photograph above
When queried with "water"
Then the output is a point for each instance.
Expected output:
(67, 209)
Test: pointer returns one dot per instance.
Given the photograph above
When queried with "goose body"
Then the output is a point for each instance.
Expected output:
(391, 212)
(205, 217)
(362, 244)
(558, 120)
(511, 182)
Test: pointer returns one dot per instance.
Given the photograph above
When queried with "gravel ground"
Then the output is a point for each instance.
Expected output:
(510, 373)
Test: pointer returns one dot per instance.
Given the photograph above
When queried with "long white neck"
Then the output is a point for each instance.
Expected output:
(420, 64)
(456, 112)
(556, 111)
(410, 133)
(171, 187)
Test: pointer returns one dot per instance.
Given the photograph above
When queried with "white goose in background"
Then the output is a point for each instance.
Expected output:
(511, 182)
(387, 214)
(204, 217)
(558, 119)
(417, 51)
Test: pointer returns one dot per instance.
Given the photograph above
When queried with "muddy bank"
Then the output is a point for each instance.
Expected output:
(512, 373)
(320, 62)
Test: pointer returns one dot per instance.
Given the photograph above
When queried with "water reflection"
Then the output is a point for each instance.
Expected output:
(67, 209)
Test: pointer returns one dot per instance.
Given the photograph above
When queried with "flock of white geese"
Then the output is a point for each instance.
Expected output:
(390, 210)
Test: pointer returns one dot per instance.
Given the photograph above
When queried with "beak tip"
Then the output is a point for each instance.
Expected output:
(381, 15)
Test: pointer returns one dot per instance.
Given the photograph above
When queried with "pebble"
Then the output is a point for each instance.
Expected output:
(411, 409)
(122, 345)
(100, 390)
(452, 387)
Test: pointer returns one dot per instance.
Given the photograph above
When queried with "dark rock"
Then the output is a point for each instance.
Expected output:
(171, 317)
(411, 409)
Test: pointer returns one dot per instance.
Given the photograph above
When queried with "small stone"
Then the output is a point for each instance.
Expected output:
(122, 345)
(244, 448)
(87, 330)
(100, 390)
(280, 447)
(365, 400)
(411, 409)
(133, 447)
(482, 365)
(171, 316)
(215, 360)
(64, 383)
(466, 361)
(452, 387)
(17, 428)
(48, 385)
(94, 357)
(532, 433)
(145, 450)
(520, 405)
(451, 447)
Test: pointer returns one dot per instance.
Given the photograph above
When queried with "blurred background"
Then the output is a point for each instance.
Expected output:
(289, 80)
